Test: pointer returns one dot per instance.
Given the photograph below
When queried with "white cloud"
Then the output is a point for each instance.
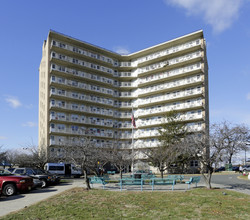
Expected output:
(3, 138)
(13, 102)
(220, 14)
(248, 96)
(29, 124)
(121, 50)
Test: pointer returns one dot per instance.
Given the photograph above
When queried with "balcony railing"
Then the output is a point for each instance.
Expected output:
(170, 73)
(172, 84)
(166, 97)
(82, 74)
(84, 52)
(69, 131)
(170, 62)
(76, 84)
(83, 63)
(170, 50)
(81, 96)
(142, 112)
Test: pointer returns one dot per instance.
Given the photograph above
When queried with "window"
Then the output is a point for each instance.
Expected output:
(194, 163)
(19, 171)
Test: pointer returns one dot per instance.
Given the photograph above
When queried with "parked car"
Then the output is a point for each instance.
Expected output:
(220, 169)
(10, 169)
(56, 178)
(36, 173)
(37, 183)
(246, 168)
(10, 184)
(65, 169)
(236, 168)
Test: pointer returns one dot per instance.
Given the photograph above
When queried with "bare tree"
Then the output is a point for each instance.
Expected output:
(19, 158)
(39, 156)
(84, 154)
(158, 157)
(28, 156)
(234, 138)
(207, 149)
(195, 145)
(120, 158)
(3, 155)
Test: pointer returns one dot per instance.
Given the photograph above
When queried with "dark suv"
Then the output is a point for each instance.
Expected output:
(46, 179)
(10, 184)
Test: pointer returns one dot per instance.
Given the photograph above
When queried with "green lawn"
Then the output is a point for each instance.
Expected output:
(79, 203)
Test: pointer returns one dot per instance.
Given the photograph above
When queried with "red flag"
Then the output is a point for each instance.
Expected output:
(133, 120)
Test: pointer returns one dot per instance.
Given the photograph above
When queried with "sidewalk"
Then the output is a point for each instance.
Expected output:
(20, 201)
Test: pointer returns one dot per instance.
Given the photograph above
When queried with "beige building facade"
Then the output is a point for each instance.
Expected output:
(85, 90)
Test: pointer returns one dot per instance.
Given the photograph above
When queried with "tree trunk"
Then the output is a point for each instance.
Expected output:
(86, 180)
(161, 170)
(120, 173)
(230, 158)
(208, 177)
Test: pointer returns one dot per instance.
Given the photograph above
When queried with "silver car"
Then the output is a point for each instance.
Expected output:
(246, 168)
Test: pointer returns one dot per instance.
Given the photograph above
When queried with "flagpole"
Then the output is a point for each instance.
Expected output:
(132, 142)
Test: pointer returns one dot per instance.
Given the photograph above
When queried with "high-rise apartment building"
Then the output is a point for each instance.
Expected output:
(85, 90)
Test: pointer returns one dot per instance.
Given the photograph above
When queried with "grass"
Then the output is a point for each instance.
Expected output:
(79, 203)
(243, 177)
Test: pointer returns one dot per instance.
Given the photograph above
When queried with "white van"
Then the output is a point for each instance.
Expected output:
(65, 169)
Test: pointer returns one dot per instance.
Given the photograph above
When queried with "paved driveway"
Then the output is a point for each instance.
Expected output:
(20, 201)
(231, 182)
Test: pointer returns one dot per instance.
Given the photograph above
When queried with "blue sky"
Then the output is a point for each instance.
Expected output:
(123, 26)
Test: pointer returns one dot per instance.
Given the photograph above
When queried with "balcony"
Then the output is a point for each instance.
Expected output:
(79, 131)
(188, 81)
(125, 105)
(124, 115)
(175, 62)
(169, 74)
(125, 125)
(173, 96)
(82, 74)
(190, 116)
(171, 50)
(142, 123)
(127, 84)
(80, 96)
(83, 63)
(83, 52)
(125, 136)
(147, 134)
(80, 85)
(81, 108)
(180, 106)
